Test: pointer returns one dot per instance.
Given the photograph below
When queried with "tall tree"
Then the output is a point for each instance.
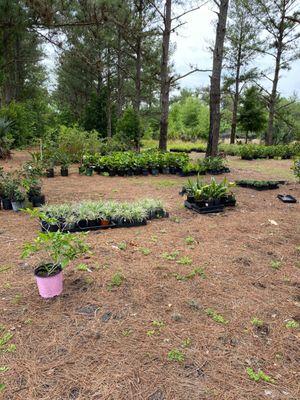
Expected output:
(242, 43)
(252, 117)
(276, 17)
(215, 79)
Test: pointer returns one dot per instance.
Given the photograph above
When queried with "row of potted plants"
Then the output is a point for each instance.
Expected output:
(210, 165)
(208, 196)
(90, 215)
(16, 188)
(246, 151)
(134, 163)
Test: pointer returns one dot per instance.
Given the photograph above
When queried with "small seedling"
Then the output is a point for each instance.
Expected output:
(292, 324)
(116, 280)
(196, 272)
(171, 256)
(151, 332)
(175, 219)
(145, 251)
(4, 369)
(275, 264)
(83, 267)
(11, 348)
(257, 322)
(158, 324)
(186, 343)
(176, 355)
(190, 240)
(154, 239)
(2, 387)
(7, 285)
(122, 246)
(28, 321)
(215, 316)
(5, 338)
(260, 375)
(5, 268)
(185, 260)
(127, 332)
(17, 299)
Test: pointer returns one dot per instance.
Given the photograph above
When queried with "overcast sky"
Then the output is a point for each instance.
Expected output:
(192, 42)
(191, 48)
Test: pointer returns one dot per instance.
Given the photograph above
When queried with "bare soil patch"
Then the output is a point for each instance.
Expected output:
(94, 344)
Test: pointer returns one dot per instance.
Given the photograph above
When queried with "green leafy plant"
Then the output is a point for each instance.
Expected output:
(260, 375)
(185, 260)
(275, 264)
(116, 280)
(171, 256)
(186, 343)
(56, 248)
(195, 272)
(176, 355)
(189, 240)
(145, 251)
(122, 246)
(257, 322)
(292, 324)
(215, 316)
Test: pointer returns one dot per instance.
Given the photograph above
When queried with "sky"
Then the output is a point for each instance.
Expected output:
(191, 48)
(192, 43)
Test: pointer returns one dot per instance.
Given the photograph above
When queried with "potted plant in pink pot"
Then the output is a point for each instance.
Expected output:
(58, 249)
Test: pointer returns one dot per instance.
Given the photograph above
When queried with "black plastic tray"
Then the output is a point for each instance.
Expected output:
(287, 198)
(204, 210)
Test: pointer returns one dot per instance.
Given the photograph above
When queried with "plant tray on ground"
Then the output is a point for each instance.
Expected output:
(259, 185)
(287, 198)
(204, 210)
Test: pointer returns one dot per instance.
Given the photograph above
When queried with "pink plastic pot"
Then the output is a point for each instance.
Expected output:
(49, 286)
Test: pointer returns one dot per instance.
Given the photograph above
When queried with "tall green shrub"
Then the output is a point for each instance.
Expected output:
(129, 128)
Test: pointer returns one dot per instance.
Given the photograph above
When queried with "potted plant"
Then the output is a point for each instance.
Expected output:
(18, 198)
(57, 250)
(9, 184)
(64, 164)
(33, 189)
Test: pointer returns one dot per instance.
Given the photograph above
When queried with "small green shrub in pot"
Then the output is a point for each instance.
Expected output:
(57, 250)
(296, 168)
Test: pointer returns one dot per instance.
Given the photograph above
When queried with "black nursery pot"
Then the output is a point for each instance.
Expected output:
(166, 170)
(64, 171)
(6, 204)
(190, 199)
(49, 227)
(173, 170)
(145, 172)
(50, 172)
(37, 201)
(154, 171)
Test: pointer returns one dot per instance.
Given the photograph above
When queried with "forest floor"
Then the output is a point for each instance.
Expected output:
(92, 343)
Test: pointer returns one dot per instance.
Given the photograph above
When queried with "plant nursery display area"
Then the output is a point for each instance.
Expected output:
(193, 306)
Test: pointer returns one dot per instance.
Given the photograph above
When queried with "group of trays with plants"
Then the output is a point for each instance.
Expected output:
(246, 151)
(18, 187)
(209, 197)
(92, 215)
(150, 162)
(259, 185)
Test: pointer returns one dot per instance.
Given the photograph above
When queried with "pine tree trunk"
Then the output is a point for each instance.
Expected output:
(215, 82)
(138, 61)
(236, 97)
(165, 79)
(119, 77)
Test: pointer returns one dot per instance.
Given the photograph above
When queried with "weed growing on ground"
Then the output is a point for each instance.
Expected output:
(171, 256)
(260, 375)
(5, 268)
(275, 264)
(257, 322)
(292, 324)
(116, 280)
(215, 316)
(122, 246)
(176, 355)
(2, 387)
(127, 332)
(4, 369)
(195, 272)
(186, 343)
(83, 267)
(185, 260)
(190, 240)
(145, 251)
(158, 324)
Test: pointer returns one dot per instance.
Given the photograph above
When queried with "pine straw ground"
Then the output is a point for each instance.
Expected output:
(96, 344)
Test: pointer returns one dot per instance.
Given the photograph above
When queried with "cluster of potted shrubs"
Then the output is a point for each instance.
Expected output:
(246, 151)
(131, 163)
(208, 197)
(150, 162)
(90, 215)
(18, 187)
